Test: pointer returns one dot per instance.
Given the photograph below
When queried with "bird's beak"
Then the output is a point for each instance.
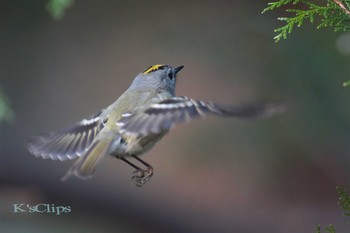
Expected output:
(177, 69)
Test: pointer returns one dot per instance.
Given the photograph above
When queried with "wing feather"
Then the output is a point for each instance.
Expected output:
(165, 114)
(69, 143)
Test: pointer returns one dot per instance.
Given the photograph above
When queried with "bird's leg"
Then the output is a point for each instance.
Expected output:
(149, 171)
(140, 176)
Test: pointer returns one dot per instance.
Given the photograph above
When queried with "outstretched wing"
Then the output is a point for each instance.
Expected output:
(163, 115)
(69, 143)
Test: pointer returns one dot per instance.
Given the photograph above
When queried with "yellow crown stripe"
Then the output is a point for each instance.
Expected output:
(153, 68)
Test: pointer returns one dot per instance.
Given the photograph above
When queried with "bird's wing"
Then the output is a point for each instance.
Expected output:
(163, 115)
(69, 143)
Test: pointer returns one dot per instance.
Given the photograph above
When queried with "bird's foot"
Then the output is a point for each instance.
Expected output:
(140, 177)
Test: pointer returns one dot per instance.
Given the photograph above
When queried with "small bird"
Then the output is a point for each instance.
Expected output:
(133, 124)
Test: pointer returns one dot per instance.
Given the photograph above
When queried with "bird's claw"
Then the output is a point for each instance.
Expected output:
(140, 177)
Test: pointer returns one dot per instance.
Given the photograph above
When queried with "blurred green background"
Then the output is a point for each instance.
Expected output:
(214, 175)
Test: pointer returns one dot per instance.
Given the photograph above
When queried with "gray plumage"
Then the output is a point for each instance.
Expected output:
(132, 125)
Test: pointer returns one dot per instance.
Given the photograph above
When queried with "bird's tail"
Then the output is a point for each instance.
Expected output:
(85, 166)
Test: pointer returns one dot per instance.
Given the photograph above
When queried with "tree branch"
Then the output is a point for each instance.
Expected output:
(341, 5)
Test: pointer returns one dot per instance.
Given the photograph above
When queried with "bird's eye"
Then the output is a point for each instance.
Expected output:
(170, 76)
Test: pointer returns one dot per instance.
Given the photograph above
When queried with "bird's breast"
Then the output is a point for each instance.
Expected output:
(128, 145)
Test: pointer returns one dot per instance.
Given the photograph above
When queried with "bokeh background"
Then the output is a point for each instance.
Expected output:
(214, 175)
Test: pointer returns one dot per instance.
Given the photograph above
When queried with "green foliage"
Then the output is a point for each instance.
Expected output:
(329, 229)
(346, 84)
(344, 200)
(344, 203)
(334, 13)
(58, 7)
(6, 114)
(277, 4)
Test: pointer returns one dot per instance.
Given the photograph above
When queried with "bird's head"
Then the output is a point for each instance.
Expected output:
(160, 77)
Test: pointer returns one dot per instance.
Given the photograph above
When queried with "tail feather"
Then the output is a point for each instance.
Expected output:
(85, 166)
